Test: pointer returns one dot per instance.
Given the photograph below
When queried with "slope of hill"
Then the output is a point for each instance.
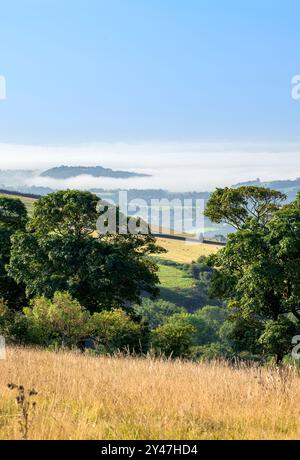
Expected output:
(289, 187)
(67, 172)
(185, 251)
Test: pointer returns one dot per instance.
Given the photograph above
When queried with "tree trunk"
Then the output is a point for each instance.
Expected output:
(279, 358)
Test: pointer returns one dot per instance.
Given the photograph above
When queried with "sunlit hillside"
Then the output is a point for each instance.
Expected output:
(186, 251)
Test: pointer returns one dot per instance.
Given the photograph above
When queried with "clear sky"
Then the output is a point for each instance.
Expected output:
(81, 71)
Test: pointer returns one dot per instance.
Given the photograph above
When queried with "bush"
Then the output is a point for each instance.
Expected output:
(211, 351)
(242, 334)
(204, 331)
(116, 331)
(173, 339)
(277, 337)
(6, 318)
(155, 312)
(60, 319)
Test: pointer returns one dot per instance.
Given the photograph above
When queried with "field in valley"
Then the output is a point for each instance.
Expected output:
(185, 252)
(84, 397)
(178, 287)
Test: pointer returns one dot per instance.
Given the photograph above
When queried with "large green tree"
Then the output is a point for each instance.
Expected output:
(61, 251)
(235, 206)
(258, 272)
(13, 217)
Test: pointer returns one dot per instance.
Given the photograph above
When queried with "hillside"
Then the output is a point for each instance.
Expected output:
(179, 251)
(85, 397)
(27, 200)
(67, 172)
(185, 251)
(289, 187)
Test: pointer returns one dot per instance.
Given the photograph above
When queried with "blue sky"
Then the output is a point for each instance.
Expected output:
(82, 71)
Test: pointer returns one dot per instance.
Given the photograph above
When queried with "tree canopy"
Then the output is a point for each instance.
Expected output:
(60, 251)
(234, 206)
(258, 271)
(13, 217)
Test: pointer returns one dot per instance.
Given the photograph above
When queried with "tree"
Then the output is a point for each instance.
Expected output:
(155, 312)
(173, 339)
(242, 334)
(62, 252)
(116, 331)
(65, 213)
(258, 272)
(13, 217)
(234, 206)
(277, 337)
(204, 330)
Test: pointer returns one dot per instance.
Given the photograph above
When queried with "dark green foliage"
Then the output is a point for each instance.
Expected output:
(116, 331)
(13, 214)
(277, 337)
(242, 334)
(62, 253)
(173, 339)
(65, 213)
(13, 217)
(258, 271)
(155, 312)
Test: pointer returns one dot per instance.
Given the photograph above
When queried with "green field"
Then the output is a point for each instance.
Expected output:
(174, 278)
(178, 287)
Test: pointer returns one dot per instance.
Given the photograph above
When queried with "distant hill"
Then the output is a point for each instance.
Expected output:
(67, 172)
(290, 187)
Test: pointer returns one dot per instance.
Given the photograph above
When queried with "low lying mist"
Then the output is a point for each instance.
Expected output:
(172, 166)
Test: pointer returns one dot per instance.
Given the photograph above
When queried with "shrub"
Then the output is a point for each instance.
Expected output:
(155, 312)
(211, 351)
(204, 331)
(60, 319)
(242, 334)
(5, 318)
(173, 339)
(116, 331)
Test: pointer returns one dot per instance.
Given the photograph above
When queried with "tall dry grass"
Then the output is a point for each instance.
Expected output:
(84, 397)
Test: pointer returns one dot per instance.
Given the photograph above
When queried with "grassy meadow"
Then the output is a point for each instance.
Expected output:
(85, 397)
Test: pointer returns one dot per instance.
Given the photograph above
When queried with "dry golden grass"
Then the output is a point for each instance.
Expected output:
(84, 397)
(185, 252)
